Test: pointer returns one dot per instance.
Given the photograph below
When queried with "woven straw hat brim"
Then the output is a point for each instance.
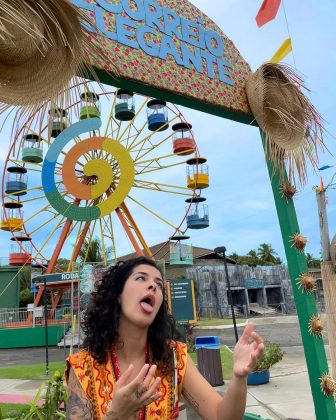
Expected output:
(42, 46)
(275, 103)
(293, 128)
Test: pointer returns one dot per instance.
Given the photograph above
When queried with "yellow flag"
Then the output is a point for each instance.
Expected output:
(284, 50)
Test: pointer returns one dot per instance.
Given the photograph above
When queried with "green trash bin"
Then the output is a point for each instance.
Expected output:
(209, 360)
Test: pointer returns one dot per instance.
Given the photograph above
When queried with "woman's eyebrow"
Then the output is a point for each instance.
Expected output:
(140, 272)
(146, 274)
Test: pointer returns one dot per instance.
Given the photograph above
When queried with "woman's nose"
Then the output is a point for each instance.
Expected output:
(152, 287)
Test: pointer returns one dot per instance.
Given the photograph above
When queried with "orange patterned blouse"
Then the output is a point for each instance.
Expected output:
(97, 381)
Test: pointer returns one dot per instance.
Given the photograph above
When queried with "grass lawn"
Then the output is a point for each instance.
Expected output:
(227, 361)
(206, 322)
(34, 371)
(11, 410)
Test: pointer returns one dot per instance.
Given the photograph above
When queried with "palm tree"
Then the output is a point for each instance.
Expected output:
(234, 256)
(312, 262)
(91, 251)
(267, 254)
(253, 257)
(25, 278)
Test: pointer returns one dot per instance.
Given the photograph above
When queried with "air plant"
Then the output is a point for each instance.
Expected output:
(298, 241)
(328, 385)
(315, 326)
(307, 283)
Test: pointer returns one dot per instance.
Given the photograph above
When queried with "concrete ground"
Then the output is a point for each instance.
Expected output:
(287, 396)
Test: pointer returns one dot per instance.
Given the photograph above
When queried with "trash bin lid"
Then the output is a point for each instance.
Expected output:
(207, 342)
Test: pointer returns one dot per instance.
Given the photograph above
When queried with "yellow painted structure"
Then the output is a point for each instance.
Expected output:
(12, 224)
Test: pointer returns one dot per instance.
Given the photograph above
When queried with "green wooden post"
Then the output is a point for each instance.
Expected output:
(313, 345)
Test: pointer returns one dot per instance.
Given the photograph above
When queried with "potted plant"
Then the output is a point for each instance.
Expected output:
(272, 355)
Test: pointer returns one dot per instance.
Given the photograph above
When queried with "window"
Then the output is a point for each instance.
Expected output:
(220, 277)
(206, 280)
(208, 297)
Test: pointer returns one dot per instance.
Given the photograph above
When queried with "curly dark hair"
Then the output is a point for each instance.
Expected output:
(101, 320)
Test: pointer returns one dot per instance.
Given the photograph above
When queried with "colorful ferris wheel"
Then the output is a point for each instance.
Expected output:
(101, 168)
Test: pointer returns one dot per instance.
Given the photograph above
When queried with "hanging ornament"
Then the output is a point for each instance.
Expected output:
(292, 126)
(287, 190)
(307, 283)
(298, 241)
(328, 385)
(315, 326)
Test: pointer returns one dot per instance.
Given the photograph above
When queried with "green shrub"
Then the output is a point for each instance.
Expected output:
(54, 406)
(272, 355)
(26, 297)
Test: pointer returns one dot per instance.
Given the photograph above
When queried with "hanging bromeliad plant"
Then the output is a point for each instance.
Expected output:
(292, 126)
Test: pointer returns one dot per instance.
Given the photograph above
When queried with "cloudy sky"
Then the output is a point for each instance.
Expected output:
(240, 200)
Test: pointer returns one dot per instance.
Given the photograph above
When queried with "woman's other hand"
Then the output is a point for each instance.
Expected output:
(246, 352)
(130, 396)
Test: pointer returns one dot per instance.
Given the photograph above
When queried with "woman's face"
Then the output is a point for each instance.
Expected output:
(142, 295)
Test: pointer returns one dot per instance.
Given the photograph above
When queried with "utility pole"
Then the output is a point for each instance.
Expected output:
(328, 274)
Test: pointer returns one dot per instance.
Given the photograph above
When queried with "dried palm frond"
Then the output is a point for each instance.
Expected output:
(43, 49)
(292, 126)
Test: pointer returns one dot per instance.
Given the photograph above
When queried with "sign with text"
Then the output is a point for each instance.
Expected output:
(254, 284)
(170, 46)
(182, 300)
(57, 278)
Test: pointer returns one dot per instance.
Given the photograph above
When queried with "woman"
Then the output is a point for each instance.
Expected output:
(132, 368)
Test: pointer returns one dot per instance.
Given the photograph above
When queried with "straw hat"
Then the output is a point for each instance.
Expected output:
(42, 46)
(291, 124)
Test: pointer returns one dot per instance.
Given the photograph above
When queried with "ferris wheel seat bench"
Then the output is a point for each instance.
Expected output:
(196, 222)
(32, 155)
(19, 258)
(89, 111)
(124, 112)
(198, 181)
(16, 187)
(156, 122)
(57, 128)
(11, 224)
(176, 259)
(184, 146)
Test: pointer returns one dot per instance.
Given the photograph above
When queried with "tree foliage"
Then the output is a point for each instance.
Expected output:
(264, 255)
(91, 251)
(312, 262)
(25, 278)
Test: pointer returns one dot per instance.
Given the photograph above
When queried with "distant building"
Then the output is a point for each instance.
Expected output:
(261, 289)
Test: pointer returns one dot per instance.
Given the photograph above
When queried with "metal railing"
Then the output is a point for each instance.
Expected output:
(33, 317)
(4, 261)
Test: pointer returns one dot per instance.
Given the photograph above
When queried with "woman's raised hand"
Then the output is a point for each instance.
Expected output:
(247, 351)
(130, 396)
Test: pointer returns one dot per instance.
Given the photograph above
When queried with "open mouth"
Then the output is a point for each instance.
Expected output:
(147, 303)
(150, 300)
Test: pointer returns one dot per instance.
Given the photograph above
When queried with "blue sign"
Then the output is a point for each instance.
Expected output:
(254, 284)
(57, 278)
(148, 22)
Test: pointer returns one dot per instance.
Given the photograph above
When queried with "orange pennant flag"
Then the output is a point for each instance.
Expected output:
(267, 11)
